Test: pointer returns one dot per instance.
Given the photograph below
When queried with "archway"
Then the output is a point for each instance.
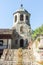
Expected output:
(21, 43)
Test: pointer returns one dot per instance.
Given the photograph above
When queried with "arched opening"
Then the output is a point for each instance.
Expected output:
(21, 43)
(26, 17)
(21, 17)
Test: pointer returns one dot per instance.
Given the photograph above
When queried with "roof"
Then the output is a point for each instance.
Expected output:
(21, 9)
(5, 31)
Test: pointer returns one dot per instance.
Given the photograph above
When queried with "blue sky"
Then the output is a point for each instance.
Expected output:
(8, 7)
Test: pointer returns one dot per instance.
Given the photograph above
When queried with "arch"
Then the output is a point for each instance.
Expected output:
(27, 17)
(21, 17)
(21, 43)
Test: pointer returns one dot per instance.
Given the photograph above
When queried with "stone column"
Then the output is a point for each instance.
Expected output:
(9, 44)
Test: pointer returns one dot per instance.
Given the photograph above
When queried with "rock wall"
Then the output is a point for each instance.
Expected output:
(18, 57)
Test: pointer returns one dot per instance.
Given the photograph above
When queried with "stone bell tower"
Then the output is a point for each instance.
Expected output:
(21, 37)
(21, 23)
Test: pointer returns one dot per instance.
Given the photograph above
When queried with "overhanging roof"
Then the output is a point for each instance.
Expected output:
(5, 31)
(5, 36)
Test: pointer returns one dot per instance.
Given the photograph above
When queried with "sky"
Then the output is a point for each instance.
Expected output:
(8, 7)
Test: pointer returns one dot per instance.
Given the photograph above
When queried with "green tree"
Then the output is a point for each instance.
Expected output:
(38, 30)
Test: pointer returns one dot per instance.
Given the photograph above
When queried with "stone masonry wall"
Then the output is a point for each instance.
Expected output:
(17, 57)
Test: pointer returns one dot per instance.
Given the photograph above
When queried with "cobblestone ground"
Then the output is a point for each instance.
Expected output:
(17, 57)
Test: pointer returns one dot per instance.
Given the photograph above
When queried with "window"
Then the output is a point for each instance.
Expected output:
(21, 43)
(1, 42)
(21, 17)
(26, 17)
(15, 18)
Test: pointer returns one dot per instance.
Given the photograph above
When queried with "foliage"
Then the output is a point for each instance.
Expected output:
(37, 31)
(38, 39)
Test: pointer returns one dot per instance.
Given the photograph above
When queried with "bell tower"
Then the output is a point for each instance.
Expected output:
(21, 23)
(21, 16)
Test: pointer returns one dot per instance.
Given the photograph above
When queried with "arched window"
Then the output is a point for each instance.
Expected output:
(21, 43)
(15, 18)
(21, 17)
(26, 17)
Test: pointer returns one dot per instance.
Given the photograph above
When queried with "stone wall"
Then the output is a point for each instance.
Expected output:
(17, 57)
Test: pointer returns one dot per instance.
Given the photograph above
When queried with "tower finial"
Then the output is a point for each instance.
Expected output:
(21, 5)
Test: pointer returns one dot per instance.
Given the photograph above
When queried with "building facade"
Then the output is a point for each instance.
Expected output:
(20, 33)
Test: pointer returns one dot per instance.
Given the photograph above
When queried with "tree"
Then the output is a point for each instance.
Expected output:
(38, 30)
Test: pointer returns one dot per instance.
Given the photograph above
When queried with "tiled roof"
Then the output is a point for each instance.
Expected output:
(21, 9)
(5, 31)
